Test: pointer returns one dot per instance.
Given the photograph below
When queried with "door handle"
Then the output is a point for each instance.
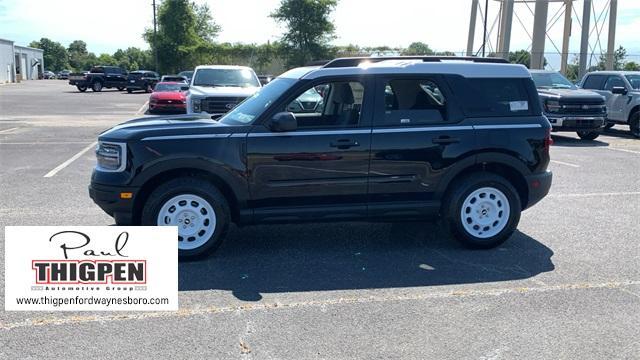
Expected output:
(344, 143)
(443, 140)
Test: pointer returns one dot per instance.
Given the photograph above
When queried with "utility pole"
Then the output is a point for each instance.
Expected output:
(611, 43)
(539, 34)
(584, 39)
(472, 27)
(566, 34)
(155, 36)
(486, 16)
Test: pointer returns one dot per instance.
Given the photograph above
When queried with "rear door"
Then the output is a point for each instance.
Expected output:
(417, 137)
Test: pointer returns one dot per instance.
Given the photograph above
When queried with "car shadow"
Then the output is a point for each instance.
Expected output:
(565, 141)
(340, 256)
(619, 131)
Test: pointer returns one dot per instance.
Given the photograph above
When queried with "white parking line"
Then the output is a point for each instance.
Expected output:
(629, 193)
(565, 163)
(45, 143)
(139, 112)
(623, 150)
(5, 131)
(72, 159)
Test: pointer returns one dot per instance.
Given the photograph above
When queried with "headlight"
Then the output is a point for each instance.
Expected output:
(195, 103)
(111, 156)
(552, 106)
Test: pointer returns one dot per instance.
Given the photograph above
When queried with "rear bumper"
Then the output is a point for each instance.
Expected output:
(109, 200)
(538, 185)
(78, 82)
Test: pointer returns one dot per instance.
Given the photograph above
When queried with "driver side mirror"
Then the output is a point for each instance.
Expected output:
(619, 90)
(283, 121)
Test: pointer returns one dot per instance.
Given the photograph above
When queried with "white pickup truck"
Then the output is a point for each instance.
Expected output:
(621, 90)
(216, 89)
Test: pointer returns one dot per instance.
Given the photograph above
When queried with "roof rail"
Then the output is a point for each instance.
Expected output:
(355, 61)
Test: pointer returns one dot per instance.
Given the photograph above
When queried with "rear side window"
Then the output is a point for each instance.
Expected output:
(492, 97)
(413, 102)
(594, 82)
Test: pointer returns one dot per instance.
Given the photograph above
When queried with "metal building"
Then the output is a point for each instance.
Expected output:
(18, 63)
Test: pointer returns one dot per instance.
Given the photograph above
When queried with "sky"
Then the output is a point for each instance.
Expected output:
(443, 24)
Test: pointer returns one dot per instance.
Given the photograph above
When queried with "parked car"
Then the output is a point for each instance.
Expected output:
(48, 75)
(265, 79)
(174, 78)
(569, 108)
(168, 97)
(142, 80)
(465, 140)
(100, 77)
(188, 74)
(216, 89)
(622, 92)
(63, 75)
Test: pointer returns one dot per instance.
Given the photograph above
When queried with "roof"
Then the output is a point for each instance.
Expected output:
(409, 66)
(28, 48)
(614, 72)
(536, 71)
(238, 67)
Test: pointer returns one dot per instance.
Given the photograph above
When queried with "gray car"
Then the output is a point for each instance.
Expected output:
(621, 90)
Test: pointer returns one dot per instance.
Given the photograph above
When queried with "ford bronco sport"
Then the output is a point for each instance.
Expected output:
(403, 139)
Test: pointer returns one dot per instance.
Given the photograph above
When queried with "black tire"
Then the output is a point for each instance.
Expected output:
(82, 88)
(96, 86)
(190, 186)
(588, 135)
(129, 91)
(148, 88)
(453, 208)
(634, 125)
(120, 88)
(609, 125)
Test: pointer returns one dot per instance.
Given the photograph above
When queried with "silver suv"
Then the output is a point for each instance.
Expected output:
(621, 90)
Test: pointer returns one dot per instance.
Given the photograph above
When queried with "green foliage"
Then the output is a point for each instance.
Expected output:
(55, 55)
(631, 66)
(618, 60)
(308, 29)
(79, 58)
(418, 48)
(184, 37)
(522, 57)
(134, 59)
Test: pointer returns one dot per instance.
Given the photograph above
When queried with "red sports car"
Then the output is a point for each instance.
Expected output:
(168, 97)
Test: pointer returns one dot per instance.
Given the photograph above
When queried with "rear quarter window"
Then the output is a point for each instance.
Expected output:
(494, 97)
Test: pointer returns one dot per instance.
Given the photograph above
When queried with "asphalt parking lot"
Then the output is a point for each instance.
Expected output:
(567, 285)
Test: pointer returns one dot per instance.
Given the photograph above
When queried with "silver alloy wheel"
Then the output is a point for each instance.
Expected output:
(194, 217)
(485, 212)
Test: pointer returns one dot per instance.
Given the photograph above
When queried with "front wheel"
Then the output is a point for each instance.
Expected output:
(148, 88)
(482, 210)
(196, 207)
(634, 125)
(120, 88)
(588, 135)
(609, 125)
(96, 86)
(82, 88)
(129, 91)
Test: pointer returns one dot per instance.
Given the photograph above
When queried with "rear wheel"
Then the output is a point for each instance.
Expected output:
(129, 91)
(82, 88)
(196, 207)
(482, 210)
(148, 88)
(634, 125)
(120, 88)
(588, 135)
(608, 126)
(96, 86)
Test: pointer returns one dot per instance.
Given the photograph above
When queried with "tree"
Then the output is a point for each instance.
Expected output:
(79, 56)
(418, 48)
(309, 29)
(631, 66)
(106, 59)
(522, 57)
(184, 33)
(618, 60)
(55, 55)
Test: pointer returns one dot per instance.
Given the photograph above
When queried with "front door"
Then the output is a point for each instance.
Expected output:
(318, 171)
(616, 103)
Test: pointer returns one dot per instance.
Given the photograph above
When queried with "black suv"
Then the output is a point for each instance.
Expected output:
(142, 80)
(391, 139)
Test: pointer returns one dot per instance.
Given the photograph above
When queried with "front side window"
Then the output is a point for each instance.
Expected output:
(225, 78)
(613, 81)
(413, 102)
(328, 105)
(594, 82)
(258, 103)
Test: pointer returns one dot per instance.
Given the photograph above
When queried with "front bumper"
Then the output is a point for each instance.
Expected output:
(108, 198)
(538, 186)
(576, 123)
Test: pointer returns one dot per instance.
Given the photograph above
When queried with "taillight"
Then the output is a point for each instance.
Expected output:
(548, 141)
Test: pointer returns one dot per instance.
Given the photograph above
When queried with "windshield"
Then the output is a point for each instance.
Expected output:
(225, 77)
(257, 103)
(552, 80)
(634, 80)
(187, 74)
(167, 87)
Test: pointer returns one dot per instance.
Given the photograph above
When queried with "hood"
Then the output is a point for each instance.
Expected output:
(222, 91)
(571, 94)
(168, 95)
(173, 125)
